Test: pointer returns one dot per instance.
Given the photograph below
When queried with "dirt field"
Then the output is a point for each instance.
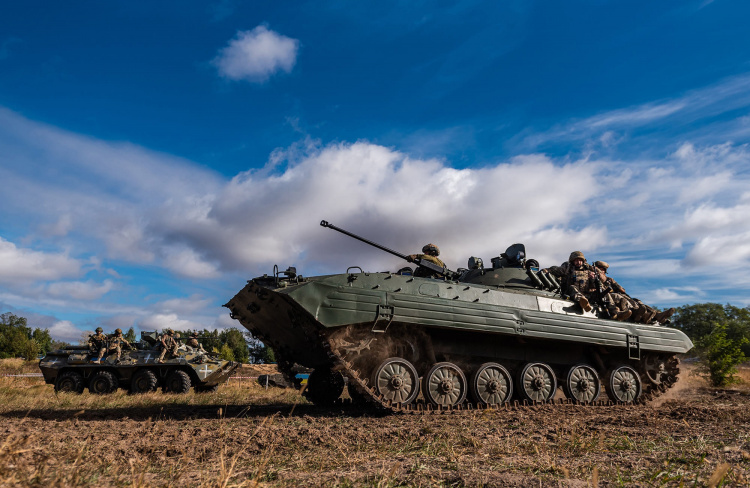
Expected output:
(243, 435)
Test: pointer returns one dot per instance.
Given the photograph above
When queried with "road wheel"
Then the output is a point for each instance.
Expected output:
(623, 385)
(444, 385)
(491, 384)
(537, 382)
(397, 380)
(177, 382)
(324, 386)
(69, 382)
(102, 382)
(144, 381)
(582, 384)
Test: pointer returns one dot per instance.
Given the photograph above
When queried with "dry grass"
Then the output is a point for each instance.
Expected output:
(244, 435)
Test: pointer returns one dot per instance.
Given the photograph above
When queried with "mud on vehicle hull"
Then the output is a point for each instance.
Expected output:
(395, 337)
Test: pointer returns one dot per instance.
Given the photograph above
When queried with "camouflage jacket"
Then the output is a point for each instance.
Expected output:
(115, 341)
(168, 342)
(580, 278)
(97, 341)
(426, 273)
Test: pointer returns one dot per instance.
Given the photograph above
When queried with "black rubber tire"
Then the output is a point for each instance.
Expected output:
(102, 383)
(324, 386)
(177, 382)
(144, 381)
(69, 382)
(206, 389)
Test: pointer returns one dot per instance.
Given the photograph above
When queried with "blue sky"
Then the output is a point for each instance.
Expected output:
(155, 156)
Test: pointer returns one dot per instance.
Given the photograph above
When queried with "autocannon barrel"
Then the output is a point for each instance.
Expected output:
(419, 262)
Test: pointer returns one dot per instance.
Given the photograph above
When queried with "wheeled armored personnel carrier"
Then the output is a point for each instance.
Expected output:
(72, 369)
(478, 337)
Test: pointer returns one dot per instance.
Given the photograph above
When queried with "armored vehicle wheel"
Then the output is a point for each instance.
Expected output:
(324, 386)
(623, 385)
(582, 384)
(397, 380)
(177, 382)
(491, 384)
(537, 382)
(656, 368)
(69, 382)
(102, 382)
(444, 385)
(206, 389)
(143, 381)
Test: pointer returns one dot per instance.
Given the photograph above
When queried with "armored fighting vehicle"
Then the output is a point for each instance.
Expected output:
(72, 369)
(478, 337)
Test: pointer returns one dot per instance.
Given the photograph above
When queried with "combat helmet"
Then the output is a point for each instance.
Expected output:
(431, 248)
(168, 331)
(601, 264)
(576, 255)
(99, 330)
(118, 331)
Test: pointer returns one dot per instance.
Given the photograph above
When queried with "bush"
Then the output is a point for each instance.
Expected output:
(721, 355)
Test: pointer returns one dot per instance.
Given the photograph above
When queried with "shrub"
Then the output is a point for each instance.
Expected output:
(721, 355)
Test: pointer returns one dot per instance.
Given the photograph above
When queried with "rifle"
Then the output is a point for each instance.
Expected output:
(444, 271)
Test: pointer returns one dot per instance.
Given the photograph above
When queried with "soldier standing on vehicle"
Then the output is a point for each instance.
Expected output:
(98, 344)
(193, 344)
(578, 279)
(116, 342)
(168, 345)
(431, 253)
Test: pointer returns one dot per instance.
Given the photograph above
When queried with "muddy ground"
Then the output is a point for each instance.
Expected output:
(244, 435)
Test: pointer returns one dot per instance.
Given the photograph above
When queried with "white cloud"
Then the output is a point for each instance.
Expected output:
(26, 265)
(80, 290)
(64, 330)
(163, 321)
(256, 55)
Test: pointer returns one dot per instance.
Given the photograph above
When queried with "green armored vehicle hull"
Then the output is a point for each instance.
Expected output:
(72, 370)
(486, 337)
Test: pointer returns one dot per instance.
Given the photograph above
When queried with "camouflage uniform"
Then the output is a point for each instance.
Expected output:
(193, 344)
(619, 305)
(98, 344)
(116, 342)
(577, 282)
(626, 306)
(168, 345)
(431, 253)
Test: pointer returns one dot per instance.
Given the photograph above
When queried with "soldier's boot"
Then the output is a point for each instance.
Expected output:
(637, 314)
(624, 315)
(648, 317)
(584, 303)
(661, 317)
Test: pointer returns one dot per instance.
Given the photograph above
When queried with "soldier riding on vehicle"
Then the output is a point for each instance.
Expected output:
(578, 279)
(431, 253)
(98, 344)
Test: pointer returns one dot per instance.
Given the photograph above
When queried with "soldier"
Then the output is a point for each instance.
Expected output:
(641, 313)
(98, 344)
(619, 305)
(578, 279)
(431, 253)
(168, 345)
(193, 344)
(116, 342)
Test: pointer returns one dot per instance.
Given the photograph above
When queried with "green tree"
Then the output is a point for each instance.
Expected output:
(17, 339)
(699, 320)
(235, 340)
(226, 353)
(130, 336)
(721, 355)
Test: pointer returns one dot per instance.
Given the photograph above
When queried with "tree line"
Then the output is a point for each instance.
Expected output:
(18, 340)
